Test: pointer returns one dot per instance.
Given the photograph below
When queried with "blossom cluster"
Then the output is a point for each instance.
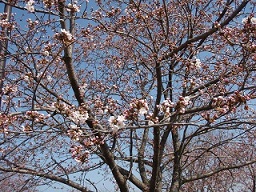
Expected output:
(93, 140)
(36, 116)
(182, 103)
(64, 36)
(45, 53)
(137, 107)
(140, 107)
(116, 122)
(222, 105)
(48, 3)
(197, 63)
(81, 153)
(249, 20)
(77, 115)
(32, 24)
(9, 89)
(193, 64)
(47, 50)
(5, 121)
(166, 106)
(30, 6)
(75, 132)
(73, 7)
(78, 154)
(4, 23)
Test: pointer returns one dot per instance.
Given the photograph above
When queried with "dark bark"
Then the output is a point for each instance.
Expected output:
(176, 176)
(154, 182)
(108, 156)
(141, 153)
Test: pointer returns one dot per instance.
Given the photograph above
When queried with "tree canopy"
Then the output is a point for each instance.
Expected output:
(136, 95)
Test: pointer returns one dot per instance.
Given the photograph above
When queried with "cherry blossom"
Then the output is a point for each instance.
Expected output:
(45, 53)
(75, 132)
(30, 6)
(149, 95)
(73, 7)
(116, 123)
(251, 20)
(64, 36)
(137, 107)
(198, 63)
(79, 117)
(10, 89)
(166, 106)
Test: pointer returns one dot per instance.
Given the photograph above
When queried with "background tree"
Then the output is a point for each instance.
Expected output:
(155, 96)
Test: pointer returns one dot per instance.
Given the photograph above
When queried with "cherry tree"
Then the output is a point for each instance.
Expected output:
(150, 96)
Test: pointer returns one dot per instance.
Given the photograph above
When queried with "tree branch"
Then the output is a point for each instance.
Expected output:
(45, 175)
(197, 177)
(206, 34)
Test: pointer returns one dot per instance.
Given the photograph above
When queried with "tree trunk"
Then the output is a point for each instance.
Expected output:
(3, 48)
(176, 176)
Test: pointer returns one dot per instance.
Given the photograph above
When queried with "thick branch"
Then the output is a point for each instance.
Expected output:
(68, 49)
(141, 154)
(109, 159)
(156, 157)
(108, 156)
(45, 175)
(133, 179)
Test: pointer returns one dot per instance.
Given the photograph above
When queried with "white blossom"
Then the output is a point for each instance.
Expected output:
(45, 53)
(198, 63)
(116, 123)
(252, 20)
(168, 103)
(39, 74)
(143, 107)
(186, 100)
(78, 117)
(49, 78)
(120, 121)
(30, 6)
(143, 111)
(166, 106)
(10, 89)
(26, 78)
(74, 7)
(67, 34)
